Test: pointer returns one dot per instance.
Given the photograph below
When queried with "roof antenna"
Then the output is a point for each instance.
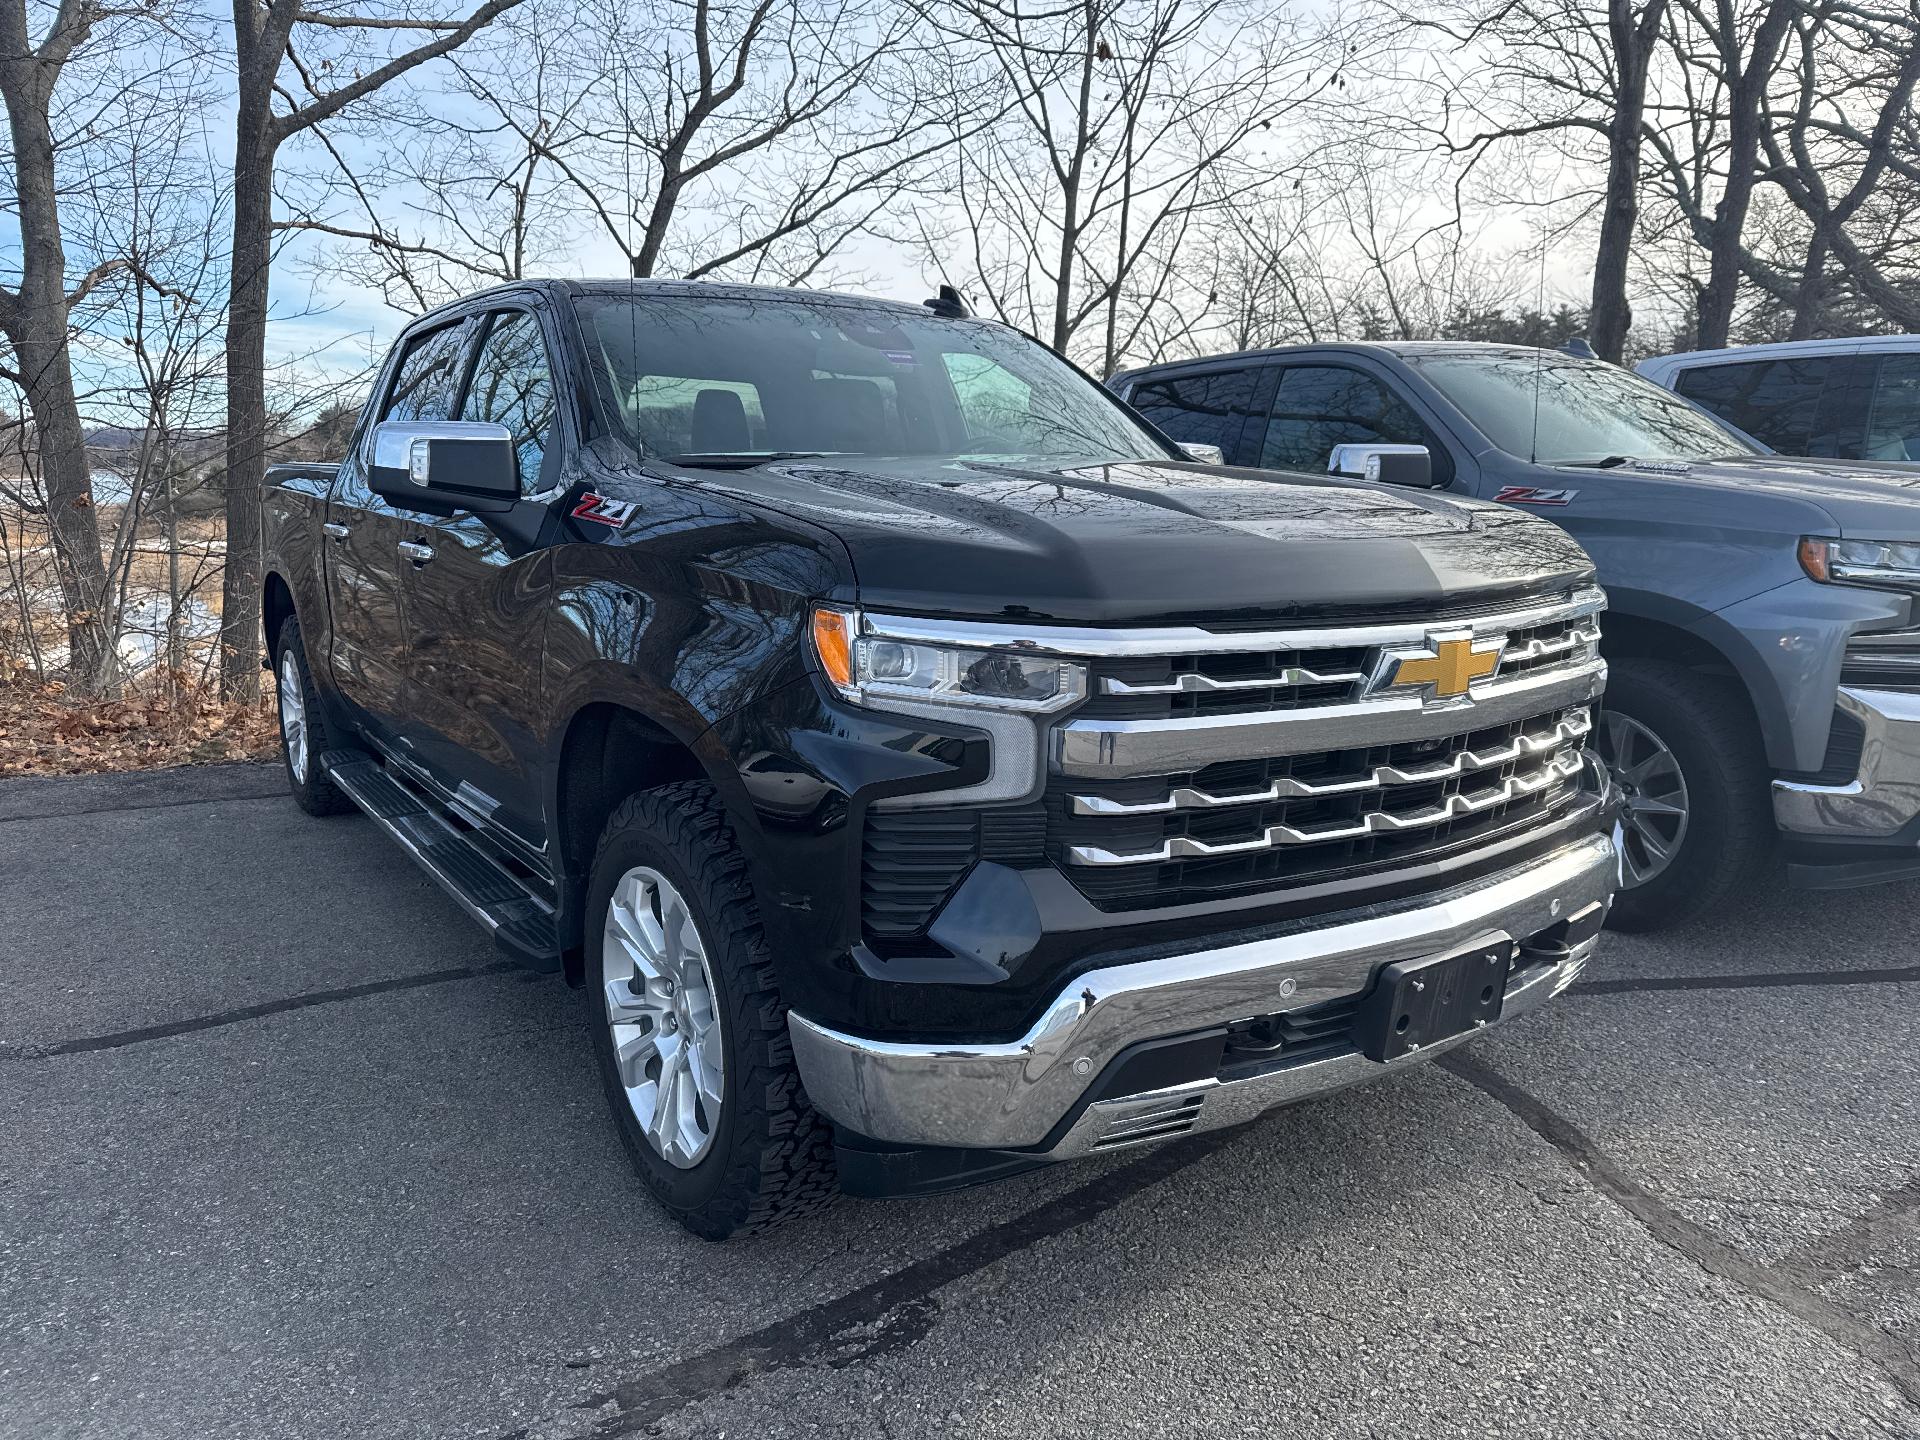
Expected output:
(1578, 347)
(948, 304)
(1539, 307)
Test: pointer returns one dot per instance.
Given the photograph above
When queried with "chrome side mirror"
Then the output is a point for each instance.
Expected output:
(1205, 454)
(434, 464)
(1391, 464)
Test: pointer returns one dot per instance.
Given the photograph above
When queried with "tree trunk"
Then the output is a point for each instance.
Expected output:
(36, 323)
(1632, 44)
(1070, 185)
(1746, 89)
(1809, 304)
(240, 639)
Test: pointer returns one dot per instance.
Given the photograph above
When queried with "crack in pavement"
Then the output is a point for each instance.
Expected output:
(1854, 1244)
(115, 1040)
(1775, 980)
(25, 816)
(1712, 1254)
(889, 1314)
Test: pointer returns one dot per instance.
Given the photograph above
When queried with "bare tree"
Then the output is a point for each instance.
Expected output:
(35, 317)
(1842, 147)
(1128, 122)
(285, 90)
(1727, 55)
(692, 140)
(1571, 75)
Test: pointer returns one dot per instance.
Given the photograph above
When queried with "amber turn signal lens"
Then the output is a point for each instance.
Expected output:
(1813, 559)
(833, 643)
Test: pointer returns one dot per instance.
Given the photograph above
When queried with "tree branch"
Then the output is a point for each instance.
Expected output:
(334, 101)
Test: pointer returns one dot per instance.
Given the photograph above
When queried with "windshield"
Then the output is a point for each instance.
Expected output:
(1586, 411)
(708, 376)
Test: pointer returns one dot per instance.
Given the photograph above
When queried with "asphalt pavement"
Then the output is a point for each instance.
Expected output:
(286, 1151)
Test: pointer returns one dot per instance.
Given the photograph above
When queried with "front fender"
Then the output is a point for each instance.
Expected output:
(1786, 645)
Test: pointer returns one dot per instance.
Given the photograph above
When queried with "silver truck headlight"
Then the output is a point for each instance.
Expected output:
(876, 670)
(1880, 564)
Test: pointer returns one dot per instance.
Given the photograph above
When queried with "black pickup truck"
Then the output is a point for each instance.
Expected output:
(929, 769)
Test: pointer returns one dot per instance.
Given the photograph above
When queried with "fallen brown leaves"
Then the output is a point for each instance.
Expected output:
(44, 732)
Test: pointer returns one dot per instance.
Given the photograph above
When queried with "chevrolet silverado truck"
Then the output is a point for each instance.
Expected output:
(1764, 695)
(927, 769)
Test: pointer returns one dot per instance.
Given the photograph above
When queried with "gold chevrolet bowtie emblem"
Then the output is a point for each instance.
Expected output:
(1451, 669)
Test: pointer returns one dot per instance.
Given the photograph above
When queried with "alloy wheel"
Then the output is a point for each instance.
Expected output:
(659, 997)
(1655, 820)
(293, 715)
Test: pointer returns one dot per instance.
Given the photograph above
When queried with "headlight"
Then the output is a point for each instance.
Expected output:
(875, 669)
(1885, 564)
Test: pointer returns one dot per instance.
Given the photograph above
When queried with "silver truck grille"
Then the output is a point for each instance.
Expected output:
(1547, 741)
(1202, 761)
(1558, 770)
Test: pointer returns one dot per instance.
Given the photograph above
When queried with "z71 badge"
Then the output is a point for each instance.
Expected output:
(1534, 495)
(603, 511)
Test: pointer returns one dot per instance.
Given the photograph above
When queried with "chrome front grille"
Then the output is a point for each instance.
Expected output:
(1558, 771)
(1237, 760)
(1546, 740)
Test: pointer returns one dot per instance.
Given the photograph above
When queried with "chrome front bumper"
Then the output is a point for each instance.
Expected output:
(1884, 796)
(1017, 1094)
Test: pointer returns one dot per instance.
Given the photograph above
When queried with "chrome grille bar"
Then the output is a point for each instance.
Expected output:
(1182, 847)
(1193, 640)
(1201, 684)
(1187, 797)
(1555, 645)
(1124, 749)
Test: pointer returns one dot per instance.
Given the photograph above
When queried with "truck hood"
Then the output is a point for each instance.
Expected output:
(1864, 497)
(1154, 542)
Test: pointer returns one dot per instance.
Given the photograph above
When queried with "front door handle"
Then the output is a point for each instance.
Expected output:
(335, 529)
(415, 551)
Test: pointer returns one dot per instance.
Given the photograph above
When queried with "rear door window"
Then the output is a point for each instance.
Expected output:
(1206, 409)
(1893, 410)
(1778, 402)
(1316, 407)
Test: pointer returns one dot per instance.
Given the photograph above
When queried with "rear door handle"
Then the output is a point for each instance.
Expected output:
(335, 529)
(416, 552)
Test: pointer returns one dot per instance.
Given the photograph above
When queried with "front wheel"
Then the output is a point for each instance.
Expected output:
(689, 1024)
(303, 728)
(1696, 825)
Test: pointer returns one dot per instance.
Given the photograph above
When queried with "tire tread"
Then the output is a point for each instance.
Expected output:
(1732, 775)
(782, 1166)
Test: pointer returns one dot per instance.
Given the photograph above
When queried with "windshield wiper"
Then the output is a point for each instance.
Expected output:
(1606, 462)
(740, 459)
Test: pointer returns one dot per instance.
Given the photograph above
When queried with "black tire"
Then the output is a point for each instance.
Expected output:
(313, 792)
(1708, 726)
(771, 1155)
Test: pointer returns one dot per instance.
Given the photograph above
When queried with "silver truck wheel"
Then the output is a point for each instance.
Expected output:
(293, 715)
(711, 1111)
(303, 727)
(1655, 822)
(664, 1024)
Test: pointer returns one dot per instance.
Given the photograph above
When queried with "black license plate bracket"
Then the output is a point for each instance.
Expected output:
(1418, 1003)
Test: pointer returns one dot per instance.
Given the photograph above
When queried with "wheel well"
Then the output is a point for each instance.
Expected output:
(276, 608)
(1630, 636)
(609, 753)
